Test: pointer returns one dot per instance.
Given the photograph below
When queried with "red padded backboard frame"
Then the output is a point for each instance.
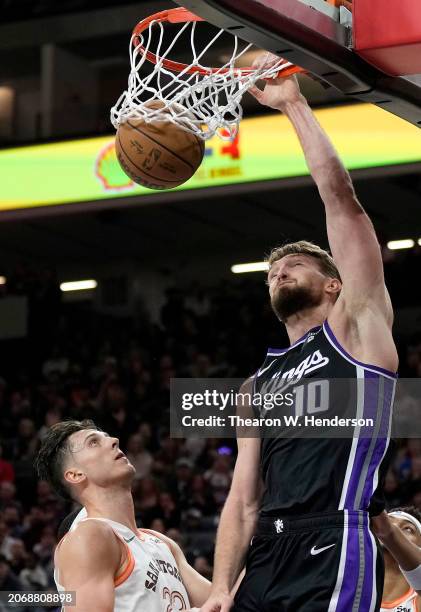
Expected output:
(314, 41)
(388, 34)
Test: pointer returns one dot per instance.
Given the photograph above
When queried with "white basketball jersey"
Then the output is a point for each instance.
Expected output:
(406, 603)
(149, 578)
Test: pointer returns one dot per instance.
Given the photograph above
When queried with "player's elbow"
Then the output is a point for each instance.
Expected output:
(335, 185)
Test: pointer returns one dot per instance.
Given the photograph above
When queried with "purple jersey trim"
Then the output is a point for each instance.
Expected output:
(341, 349)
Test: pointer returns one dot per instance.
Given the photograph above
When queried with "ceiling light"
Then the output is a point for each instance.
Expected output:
(395, 245)
(81, 285)
(258, 266)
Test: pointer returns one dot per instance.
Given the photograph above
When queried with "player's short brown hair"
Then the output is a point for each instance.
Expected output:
(303, 247)
(54, 451)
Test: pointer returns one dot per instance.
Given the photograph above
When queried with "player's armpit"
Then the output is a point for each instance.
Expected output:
(87, 562)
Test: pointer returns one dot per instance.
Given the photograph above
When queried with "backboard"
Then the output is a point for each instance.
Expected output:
(309, 37)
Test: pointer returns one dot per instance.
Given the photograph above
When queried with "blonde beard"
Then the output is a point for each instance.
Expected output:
(293, 301)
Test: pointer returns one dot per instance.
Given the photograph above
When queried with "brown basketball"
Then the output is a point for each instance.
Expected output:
(158, 155)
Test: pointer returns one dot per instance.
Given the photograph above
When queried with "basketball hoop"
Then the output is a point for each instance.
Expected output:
(200, 99)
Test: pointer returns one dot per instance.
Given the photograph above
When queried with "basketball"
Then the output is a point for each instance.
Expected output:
(159, 154)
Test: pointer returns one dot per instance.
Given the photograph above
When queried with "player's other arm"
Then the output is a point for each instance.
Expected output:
(351, 234)
(238, 521)
(197, 587)
(407, 554)
(87, 562)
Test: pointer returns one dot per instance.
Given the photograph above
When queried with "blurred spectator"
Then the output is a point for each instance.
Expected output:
(202, 565)
(146, 498)
(33, 526)
(6, 541)
(57, 363)
(33, 576)
(8, 580)
(219, 479)
(7, 473)
(45, 494)
(184, 475)
(8, 496)
(44, 549)
(158, 525)
(24, 448)
(52, 416)
(201, 496)
(140, 458)
(18, 556)
(13, 519)
(201, 367)
(168, 510)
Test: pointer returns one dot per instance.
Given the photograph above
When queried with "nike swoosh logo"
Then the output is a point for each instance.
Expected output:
(260, 372)
(317, 551)
(126, 540)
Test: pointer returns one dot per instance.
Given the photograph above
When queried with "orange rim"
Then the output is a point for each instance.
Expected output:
(182, 15)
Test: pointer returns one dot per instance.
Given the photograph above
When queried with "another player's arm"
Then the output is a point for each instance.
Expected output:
(238, 521)
(351, 234)
(87, 561)
(407, 554)
(197, 587)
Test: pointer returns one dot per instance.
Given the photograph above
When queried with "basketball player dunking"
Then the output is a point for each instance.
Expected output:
(298, 510)
(112, 565)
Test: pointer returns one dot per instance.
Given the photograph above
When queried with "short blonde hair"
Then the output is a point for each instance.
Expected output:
(303, 247)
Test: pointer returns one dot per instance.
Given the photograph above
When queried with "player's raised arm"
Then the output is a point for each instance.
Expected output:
(352, 238)
(87, 562)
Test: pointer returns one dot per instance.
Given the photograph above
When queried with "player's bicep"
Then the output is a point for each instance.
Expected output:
(87, 566)
(357, 254)
(95, 592)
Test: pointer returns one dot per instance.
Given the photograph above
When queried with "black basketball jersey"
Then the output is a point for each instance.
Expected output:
(325, 474)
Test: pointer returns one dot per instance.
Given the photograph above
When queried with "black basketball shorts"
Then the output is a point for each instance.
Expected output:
(314, 563)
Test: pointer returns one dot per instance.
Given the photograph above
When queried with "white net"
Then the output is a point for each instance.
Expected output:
(202, 100)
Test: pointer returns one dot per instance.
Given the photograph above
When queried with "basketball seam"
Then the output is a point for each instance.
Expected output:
(200, 143)
(161, 145)
(156, 178)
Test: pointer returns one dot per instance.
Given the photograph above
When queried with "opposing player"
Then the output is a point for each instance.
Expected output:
(400, 533)
(304, 504)
(112, 565)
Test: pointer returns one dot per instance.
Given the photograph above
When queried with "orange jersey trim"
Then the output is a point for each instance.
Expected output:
(389, 605)
(126, 570)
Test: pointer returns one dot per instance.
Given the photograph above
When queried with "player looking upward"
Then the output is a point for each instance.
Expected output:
(111, 564)
(400, 533)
